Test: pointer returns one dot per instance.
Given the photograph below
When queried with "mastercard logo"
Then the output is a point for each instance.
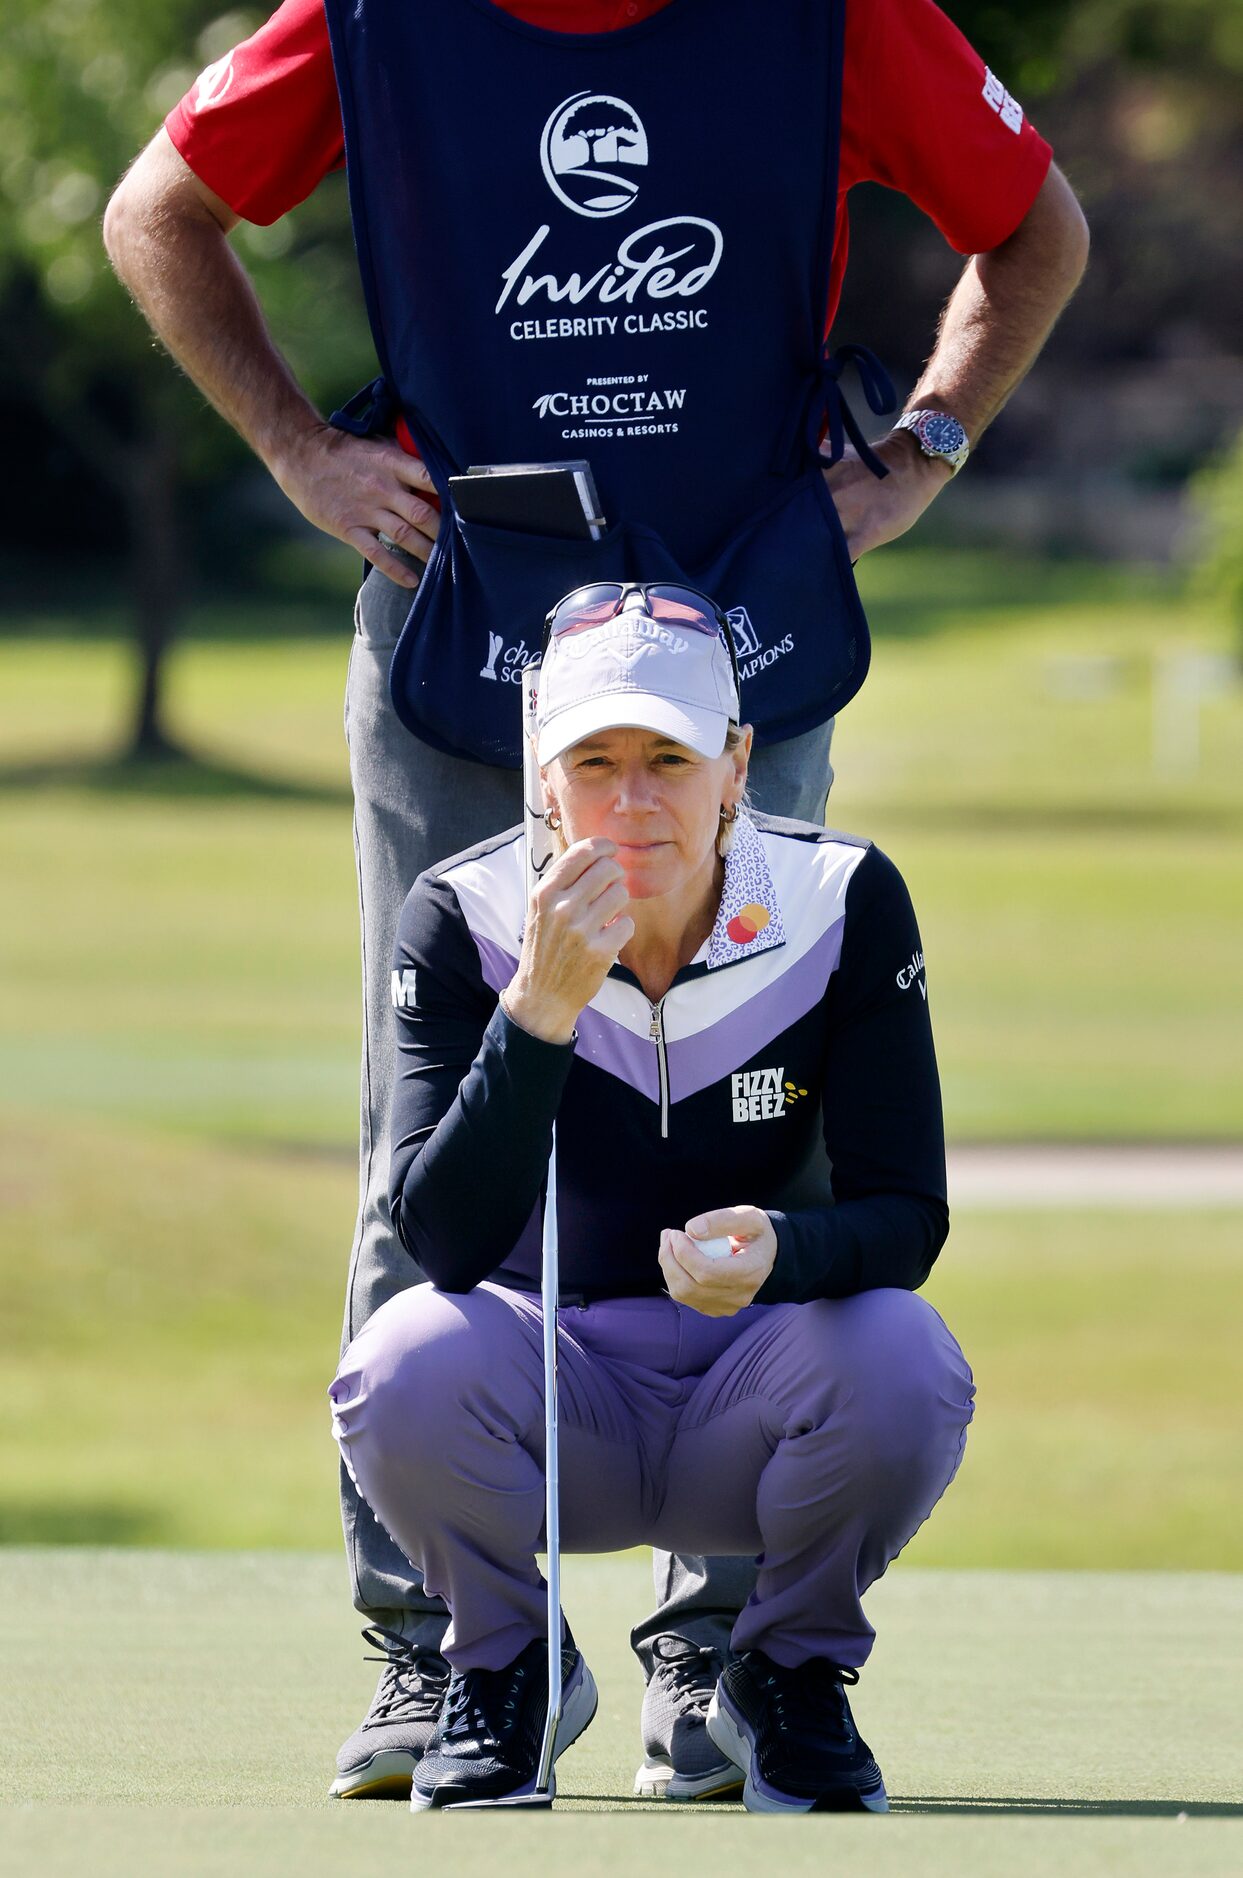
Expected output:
(748, 923)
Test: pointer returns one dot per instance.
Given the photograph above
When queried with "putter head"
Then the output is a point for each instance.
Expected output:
(541, 1799)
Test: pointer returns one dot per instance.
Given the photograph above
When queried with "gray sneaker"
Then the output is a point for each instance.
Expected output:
(681, 1761)
(377, 1761)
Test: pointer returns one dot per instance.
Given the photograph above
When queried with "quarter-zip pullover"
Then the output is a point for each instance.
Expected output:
(789, 1066)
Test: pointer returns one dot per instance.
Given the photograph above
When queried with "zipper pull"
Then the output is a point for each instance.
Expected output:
(654, 1027)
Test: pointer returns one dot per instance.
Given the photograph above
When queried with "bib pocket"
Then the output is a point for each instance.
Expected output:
(785, 579)
(783, 576)
(477, 620)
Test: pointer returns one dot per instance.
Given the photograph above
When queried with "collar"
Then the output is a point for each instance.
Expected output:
(749, 919)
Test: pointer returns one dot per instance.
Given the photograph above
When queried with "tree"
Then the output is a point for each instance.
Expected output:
(84, 84)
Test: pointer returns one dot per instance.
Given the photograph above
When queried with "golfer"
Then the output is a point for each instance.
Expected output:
(726, 1017)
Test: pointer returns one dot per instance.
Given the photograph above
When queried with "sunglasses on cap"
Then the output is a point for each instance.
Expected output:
(667, 602)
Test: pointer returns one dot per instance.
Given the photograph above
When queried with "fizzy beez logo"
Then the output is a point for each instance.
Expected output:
(589, 142)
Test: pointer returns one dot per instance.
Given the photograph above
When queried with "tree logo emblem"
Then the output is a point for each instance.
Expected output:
(589, 142)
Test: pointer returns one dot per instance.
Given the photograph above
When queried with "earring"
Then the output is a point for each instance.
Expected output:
(725, 830)
(552, 821)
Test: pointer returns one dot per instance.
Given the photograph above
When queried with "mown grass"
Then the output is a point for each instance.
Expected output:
(178, 1022)
(1017, 1715)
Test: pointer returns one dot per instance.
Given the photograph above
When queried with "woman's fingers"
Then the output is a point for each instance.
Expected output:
(574, 863)
(718, 1287)
(729, 1222)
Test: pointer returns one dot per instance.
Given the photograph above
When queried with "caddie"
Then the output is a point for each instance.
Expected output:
(602, 229)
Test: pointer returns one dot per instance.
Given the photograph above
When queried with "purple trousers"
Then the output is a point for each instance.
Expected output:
(818, 1436)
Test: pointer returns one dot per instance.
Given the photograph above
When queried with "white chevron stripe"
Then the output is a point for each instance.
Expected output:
(491, 891)
(810, 881)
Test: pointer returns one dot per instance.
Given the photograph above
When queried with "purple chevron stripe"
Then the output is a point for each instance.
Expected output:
(696, 1061)
(498, 965)
(600, 1041)
(610, 1046)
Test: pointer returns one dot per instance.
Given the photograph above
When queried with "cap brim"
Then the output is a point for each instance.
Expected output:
(702, 731)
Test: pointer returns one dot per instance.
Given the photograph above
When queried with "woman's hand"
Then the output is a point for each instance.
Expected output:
(719, 1287)
(576, 925)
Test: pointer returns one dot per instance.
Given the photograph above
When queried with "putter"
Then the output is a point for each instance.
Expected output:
(538, 850)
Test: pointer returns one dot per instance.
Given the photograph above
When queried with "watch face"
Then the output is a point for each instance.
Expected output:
(945, 435)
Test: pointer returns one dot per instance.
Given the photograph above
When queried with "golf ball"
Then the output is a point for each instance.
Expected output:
(715, 1248)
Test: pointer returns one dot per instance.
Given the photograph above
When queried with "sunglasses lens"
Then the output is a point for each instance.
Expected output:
(587, 607)
(682, 606)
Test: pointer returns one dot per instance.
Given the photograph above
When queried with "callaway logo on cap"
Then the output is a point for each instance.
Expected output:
(633, 671)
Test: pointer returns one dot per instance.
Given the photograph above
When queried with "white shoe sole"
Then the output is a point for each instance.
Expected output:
(656, 1780)
(730, 1736)
(577, 1715)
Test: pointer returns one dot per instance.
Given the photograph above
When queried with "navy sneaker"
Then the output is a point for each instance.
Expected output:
(487, 1741)
(380, 1756)
(793, 1735)
(681, 1761)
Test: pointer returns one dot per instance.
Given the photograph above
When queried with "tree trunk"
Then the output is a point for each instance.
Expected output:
(158, 580)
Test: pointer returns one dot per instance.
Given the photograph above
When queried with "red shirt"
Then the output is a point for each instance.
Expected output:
(920, 113)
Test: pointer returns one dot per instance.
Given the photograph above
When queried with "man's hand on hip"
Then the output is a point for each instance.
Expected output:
(877, 509)
(359, 488)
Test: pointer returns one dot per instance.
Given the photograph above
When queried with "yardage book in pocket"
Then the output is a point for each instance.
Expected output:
(557, 499)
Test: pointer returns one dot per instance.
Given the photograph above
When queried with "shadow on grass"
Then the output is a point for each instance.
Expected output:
(1080, 818)
(175, 775)
(1100, 1809)
(78, 1522)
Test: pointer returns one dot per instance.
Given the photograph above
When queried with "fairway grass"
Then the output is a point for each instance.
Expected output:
(1026, 1722)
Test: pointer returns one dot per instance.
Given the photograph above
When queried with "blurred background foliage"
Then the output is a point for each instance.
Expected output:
(1143, 102)
(1049, 745)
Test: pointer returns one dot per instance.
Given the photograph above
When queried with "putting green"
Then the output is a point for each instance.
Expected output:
(177, 1713)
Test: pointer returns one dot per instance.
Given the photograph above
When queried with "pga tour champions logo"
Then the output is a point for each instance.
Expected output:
(746, 639)
(753, 655)
(589, 143)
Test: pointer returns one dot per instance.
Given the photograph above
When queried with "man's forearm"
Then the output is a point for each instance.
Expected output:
(174, 255)
(1003, 309)
(167, 237)
(993, 326)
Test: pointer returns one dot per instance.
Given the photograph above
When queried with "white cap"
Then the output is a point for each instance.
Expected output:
(634, 671)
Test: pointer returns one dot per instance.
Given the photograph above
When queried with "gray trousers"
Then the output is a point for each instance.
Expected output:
(414, 806)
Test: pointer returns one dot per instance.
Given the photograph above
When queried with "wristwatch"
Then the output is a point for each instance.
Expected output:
(938, 435)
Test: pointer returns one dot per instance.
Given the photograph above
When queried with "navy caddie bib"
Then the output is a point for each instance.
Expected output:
(613, 246)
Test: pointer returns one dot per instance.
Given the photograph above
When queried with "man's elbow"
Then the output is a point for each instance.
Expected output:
(132, 217)
(1055, 233)
(1076, 242)
(120, 222)
(158, 201)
